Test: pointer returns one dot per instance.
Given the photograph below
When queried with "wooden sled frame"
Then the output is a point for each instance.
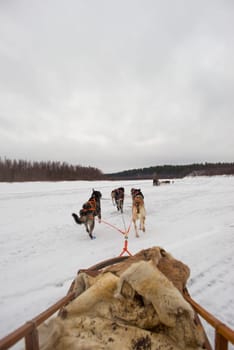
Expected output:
(29, 332)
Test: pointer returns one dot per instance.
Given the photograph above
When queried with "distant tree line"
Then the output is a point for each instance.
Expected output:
(175, 171)
(21, 170)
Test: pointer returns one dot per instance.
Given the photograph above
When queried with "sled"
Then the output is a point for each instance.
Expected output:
(223, 334)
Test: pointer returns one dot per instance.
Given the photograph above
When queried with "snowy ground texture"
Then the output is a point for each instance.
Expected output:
(41, 247)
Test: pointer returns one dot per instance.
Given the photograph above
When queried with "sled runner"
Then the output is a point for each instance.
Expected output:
(133, 302)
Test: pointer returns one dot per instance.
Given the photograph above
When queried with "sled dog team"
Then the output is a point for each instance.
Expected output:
(92, 209)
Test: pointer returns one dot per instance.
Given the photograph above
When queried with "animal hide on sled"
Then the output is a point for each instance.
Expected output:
(131, 305)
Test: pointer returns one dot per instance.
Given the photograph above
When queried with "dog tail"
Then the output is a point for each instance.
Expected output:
(76, 218)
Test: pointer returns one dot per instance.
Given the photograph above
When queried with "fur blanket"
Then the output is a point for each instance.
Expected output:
(136, 304)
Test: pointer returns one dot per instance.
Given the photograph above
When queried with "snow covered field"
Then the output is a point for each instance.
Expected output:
(41, 247)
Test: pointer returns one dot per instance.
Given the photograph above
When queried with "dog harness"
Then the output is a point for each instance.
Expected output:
(89, 207)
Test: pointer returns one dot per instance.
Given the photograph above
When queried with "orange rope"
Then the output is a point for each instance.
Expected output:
(125, 248)
(116, 228)
(125, 233)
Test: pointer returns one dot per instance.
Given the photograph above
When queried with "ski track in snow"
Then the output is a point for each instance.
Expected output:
(41, 248)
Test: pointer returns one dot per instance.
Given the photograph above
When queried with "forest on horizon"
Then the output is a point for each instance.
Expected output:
(21, 170)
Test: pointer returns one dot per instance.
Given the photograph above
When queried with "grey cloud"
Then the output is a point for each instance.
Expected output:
(117, 84)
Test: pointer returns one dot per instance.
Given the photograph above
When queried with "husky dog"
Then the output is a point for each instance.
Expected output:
(89, 210)
(117, 197)
(138, 209)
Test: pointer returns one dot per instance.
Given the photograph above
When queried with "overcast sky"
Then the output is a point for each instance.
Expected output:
(117, 84)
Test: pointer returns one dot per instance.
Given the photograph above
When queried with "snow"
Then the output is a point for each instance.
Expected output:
(42, 248)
